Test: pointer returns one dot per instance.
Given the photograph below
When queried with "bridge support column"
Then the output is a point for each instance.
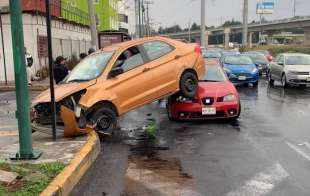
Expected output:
(226, 37)
(307, 36)
(207, 38)
(250, 37)
(269, 38)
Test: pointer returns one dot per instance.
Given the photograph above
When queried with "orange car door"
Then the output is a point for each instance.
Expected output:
(132, 86)
(162, 66)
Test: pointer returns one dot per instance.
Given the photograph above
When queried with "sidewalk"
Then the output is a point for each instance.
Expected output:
(76, 153)
(36, 85)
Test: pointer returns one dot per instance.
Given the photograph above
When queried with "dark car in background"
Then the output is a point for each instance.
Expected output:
(259, 60)
(211, 54)
(266, 53)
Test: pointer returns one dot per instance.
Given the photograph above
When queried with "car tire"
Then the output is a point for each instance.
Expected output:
(284, 82)
(105, 120)
(270, 80)
(188, 84)
(169, 114)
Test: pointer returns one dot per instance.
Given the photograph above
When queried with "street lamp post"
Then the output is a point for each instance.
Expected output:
(203, 23)
(294, 8)
(245, 23)
(22, 96)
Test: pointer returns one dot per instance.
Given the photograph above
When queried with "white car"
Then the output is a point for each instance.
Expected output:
(290, 68)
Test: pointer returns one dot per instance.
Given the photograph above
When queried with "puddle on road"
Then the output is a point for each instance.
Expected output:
(147, 172)
(150, 175)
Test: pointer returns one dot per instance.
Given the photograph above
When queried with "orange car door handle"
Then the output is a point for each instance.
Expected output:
(146, 69)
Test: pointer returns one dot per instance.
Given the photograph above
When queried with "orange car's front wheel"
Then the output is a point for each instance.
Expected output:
(189, 84)
(105, 120)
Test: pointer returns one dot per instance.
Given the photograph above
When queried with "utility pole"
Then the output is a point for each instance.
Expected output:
(245, 23)
(51, 65)
(137, 18)
(139, 10)
(93, 25)
(148, 26)
(22, 97)
(189, 30)
(3, 49)
(203, 23)
(294, 8)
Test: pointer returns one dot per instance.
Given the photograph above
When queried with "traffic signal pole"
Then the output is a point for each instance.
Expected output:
(22, 96)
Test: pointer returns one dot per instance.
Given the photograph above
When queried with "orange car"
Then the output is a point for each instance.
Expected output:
(120, 78)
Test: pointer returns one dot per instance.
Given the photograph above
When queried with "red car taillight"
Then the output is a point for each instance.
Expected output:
(198, 49)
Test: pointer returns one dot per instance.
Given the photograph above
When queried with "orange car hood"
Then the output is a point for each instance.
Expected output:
(62, 91)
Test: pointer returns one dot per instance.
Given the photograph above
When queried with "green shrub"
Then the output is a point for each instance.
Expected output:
(275, 50)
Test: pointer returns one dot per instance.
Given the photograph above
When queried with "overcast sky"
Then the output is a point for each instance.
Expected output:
(169, 12)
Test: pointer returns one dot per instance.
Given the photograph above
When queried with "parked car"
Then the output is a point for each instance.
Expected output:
(122, 77)
(240, 69)
(212, 62)
(290, 68)
(259, 60)
(230, 52)
(216, 98)
(211, 54)
(266, 53)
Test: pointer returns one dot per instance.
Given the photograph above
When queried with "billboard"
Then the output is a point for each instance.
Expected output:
(265, 7)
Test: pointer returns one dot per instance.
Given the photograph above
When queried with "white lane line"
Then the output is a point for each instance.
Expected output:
(162, 185)
(296, 149)
(262, 183)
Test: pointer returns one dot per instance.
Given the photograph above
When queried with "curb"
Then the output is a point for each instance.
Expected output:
(64, 182)
(30, 88)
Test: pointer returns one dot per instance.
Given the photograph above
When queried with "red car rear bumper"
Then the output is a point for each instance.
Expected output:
(193, 111)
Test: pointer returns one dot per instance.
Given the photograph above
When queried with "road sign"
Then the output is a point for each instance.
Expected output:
(265, 7)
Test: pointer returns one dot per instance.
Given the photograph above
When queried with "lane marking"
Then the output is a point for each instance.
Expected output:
(155, 182)
(262, 183)
(296, 149)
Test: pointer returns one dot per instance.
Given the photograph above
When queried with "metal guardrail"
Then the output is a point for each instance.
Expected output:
(256, 24)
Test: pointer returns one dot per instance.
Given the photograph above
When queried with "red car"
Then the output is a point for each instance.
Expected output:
(216, 98)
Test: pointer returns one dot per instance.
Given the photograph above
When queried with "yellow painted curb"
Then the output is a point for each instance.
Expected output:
(8, 133)
(64, 182)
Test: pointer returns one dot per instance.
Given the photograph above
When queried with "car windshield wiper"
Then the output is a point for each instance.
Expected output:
(77, 80)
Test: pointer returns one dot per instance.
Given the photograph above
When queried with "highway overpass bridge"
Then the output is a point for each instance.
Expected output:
(268, 27)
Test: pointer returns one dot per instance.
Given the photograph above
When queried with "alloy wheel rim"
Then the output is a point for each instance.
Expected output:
(190, 85)
(104, 122)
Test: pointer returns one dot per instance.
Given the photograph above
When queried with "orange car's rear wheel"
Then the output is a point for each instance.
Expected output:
(189, 84)
(105, 120)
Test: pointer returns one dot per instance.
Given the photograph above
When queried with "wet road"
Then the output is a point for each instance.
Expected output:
(266, 153)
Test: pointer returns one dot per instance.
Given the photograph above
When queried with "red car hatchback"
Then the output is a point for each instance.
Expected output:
(216, 98)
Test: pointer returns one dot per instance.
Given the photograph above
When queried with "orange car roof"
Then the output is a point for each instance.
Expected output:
(137, 41)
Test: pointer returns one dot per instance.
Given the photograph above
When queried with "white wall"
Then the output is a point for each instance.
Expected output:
(67, 39)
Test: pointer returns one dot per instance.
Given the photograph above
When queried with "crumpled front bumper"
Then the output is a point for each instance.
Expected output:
(70, 127)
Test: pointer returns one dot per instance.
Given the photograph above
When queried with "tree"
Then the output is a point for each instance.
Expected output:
(231, 23)
(195, 27)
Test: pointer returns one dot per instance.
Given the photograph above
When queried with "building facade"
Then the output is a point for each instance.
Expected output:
(106, 13)
(70, 30)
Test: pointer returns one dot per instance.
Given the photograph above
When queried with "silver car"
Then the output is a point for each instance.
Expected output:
(290, 68)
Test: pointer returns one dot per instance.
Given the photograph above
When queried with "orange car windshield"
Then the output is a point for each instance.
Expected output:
(90, 68)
